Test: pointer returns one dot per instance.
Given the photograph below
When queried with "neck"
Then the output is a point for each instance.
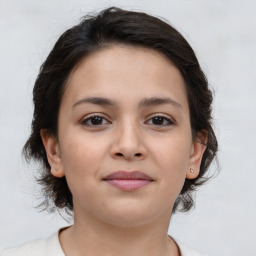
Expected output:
(100, 238)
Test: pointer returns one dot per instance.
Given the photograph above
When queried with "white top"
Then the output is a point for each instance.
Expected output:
(51, 247)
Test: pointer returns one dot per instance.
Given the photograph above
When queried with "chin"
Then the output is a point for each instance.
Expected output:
(129, 217)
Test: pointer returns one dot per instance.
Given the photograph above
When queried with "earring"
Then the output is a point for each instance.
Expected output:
(191, 170)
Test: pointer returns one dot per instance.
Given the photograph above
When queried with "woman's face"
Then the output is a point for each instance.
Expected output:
(124, 109)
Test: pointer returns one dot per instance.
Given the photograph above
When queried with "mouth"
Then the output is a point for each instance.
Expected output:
(128, 181)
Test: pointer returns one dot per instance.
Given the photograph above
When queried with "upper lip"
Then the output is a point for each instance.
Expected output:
(124, 175)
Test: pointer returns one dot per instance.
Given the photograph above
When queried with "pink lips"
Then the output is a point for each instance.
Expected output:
(128, 181)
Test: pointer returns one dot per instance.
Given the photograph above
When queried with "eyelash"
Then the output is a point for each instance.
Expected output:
(168, 121)
(85, 121)
(164, 118)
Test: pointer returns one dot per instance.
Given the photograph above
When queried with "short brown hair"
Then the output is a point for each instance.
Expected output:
(115, 26)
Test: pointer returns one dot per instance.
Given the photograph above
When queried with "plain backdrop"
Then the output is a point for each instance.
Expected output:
(222, 33)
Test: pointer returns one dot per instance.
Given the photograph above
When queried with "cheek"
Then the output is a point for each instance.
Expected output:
(172, 157)
(173, 151)
(81, 163)
(81, 155)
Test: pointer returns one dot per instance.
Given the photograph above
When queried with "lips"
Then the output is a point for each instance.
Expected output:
(128, 181)
(123, 175)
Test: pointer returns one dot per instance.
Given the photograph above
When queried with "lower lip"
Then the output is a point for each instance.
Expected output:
(129, 185)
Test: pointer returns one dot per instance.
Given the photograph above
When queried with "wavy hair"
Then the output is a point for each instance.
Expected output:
(95, 32)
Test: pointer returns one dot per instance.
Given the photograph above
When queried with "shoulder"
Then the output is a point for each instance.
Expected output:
(42, 247)
(186, 251)
(36, 247)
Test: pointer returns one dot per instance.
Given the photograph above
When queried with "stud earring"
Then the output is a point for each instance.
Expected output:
(191, 170)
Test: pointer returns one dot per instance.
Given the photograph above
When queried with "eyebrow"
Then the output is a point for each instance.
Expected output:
(159, 101)
(147, 102)
(95, 100)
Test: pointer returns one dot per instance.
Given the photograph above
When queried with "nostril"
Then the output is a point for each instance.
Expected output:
(138, 154)
(119, 154)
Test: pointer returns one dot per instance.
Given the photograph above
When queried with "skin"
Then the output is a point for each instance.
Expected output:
(127, 136)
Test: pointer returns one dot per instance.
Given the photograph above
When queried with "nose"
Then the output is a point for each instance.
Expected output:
(128, 143)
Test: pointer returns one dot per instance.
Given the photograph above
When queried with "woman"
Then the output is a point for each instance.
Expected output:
(122, 128)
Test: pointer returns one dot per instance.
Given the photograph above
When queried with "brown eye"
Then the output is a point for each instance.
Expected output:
(94, 121)
(160, 121)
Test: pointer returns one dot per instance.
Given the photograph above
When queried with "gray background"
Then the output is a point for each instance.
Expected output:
(223, 36)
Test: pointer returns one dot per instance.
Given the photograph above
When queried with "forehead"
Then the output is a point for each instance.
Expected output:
(120, 70)
(118, 57)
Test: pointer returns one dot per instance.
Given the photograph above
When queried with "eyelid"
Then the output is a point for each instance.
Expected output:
(165, 116)
(89, 116)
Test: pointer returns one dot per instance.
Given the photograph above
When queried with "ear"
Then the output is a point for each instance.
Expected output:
(197, 150)
(52, 149)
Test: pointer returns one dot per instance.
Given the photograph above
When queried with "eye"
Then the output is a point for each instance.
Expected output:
(160, 121)
(95, 120)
